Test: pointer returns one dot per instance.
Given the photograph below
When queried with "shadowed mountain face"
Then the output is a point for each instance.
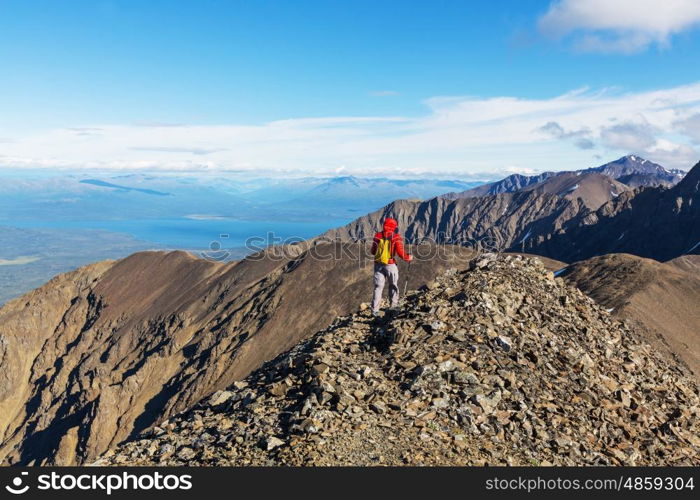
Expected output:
(507, 221)
(100, 354)
(662, 299)
(656, 223)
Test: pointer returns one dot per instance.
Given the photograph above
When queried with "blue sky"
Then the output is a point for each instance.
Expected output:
(336, 86)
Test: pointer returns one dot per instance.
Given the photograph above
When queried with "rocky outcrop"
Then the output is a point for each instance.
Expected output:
(98, 355)
(662, 299)
(504, 364)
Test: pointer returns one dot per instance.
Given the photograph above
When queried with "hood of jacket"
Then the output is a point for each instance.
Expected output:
(390, 225)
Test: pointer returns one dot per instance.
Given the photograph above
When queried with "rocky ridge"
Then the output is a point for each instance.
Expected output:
(636, 171)
(659, 298)
(502, 364)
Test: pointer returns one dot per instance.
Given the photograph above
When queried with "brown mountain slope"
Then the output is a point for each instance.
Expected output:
(592, 188)
(662, 297)
(510, 184)
(97, 355)
(501, 365)
(689, 263)
(657, 223)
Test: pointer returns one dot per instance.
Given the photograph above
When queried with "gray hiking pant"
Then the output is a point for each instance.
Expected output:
(382, 272)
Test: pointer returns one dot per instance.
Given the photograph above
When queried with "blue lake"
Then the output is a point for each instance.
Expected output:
(196, 234)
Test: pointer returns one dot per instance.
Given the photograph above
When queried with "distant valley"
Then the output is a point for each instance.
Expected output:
(57, 222)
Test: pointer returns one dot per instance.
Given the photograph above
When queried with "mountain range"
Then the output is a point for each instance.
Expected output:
(580, 355)
(568, 216)
(631, 170)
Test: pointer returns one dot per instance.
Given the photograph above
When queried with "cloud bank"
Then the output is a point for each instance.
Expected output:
(464, 136)
(624, 26)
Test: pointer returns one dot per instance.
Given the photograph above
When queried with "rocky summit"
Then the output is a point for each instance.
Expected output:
(500, 364)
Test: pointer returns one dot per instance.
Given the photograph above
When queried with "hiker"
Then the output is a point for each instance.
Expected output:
(385, 246)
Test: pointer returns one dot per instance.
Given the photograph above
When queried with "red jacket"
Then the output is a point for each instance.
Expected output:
(389, 231)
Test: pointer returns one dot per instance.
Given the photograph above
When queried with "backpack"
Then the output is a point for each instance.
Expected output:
(384, 250)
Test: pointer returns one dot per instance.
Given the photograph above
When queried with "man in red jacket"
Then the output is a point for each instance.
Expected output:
(385, 246)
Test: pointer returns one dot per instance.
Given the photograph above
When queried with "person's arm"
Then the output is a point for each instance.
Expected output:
(375, 242)
(399, 249)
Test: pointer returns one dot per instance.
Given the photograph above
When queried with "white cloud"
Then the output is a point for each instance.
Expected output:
(667, 152)
(580, 138)
(630, 136)
(194, 151)
(691, 127)
(625, 26)
(469, 136)
(520, 170)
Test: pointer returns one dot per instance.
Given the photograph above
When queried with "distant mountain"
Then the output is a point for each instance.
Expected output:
(510, 184)
(636, 171)
(630, 170)
(658, 223)
(370, 190)
(348, 196)
(508, 220)
(505, 221)
(592, 188)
